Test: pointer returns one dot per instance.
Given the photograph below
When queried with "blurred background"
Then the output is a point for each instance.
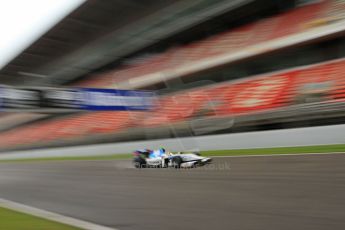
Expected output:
(215, 67)
(257, 85)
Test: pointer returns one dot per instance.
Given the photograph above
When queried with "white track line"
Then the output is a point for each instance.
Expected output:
(284, 154)
(51, 216)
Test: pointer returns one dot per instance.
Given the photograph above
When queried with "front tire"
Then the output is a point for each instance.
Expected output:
(176, 162)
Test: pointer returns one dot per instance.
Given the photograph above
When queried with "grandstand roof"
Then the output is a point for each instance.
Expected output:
(100, 32)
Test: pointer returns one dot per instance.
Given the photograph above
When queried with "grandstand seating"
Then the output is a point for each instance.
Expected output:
(176, 108)
(69, 127)
(321, 82)
(291, 22)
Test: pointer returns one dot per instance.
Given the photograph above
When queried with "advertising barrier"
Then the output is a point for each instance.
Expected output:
(91, 99)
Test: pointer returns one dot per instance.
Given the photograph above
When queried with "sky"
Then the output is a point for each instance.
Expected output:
(22, 22)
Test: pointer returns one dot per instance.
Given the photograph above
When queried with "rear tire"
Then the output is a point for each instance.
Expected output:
(139, 162)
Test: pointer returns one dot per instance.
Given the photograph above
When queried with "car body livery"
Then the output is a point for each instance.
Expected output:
(160, 159)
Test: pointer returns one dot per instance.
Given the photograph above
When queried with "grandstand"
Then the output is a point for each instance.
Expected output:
(281, 67)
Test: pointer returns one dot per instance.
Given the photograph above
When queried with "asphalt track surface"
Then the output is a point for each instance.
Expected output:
(275, 192)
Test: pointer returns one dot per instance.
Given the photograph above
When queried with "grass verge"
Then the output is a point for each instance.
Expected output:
(13, 220)
(282, 150)
(233, 152)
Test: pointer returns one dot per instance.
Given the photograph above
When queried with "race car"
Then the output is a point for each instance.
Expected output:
(160, 158)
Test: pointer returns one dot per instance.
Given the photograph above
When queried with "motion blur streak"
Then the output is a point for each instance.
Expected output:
(224, 75)
(286, 192)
